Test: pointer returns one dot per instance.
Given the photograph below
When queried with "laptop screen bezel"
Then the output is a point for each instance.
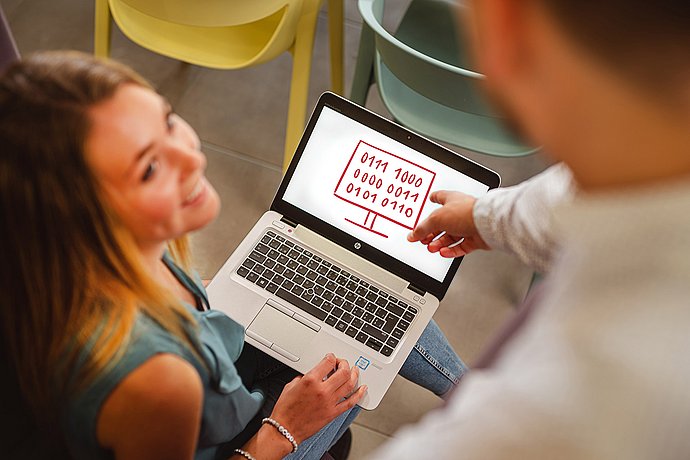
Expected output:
(396, 132)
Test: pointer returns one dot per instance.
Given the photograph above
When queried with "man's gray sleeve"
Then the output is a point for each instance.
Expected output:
(518, 220)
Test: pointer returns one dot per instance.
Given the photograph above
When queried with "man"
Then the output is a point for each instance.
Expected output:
(600, 370)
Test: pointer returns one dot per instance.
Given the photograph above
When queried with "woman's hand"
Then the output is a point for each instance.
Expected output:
(310, 401)
(450, 230)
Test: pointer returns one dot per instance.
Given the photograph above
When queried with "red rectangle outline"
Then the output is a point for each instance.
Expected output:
(421, 209)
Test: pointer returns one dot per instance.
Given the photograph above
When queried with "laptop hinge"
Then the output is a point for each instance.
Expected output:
(288, 221)
(416, 290)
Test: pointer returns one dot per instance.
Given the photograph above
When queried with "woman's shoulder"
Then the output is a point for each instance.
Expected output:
(165, 392)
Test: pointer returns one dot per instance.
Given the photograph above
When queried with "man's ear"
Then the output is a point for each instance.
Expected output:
(498, 31)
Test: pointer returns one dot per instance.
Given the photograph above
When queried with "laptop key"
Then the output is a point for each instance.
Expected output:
(391, 320)
(249, 263)
(313, 264)
(331, 286)
(262, 282)
(337, 312)
(386, 351)
(331, 320)
(318, 289)
(378, 323)
(346, 317)
(283, 249)
(288, 274)
(274, 244)
(288, 285)
(302, 270)
(272, 288)
(318, 301)
(252, 277)
(257, 256)
(322, 269)
(338, 300)
(303, 259)
(371, 297)
(381, 313)
(270, 263)
(373, 343)
(408, 316)
(297, 290)
(302, 304)
(298, 279)
(262, 248)
(341, 326)
(278, 279)
(242, 271)
(370, 307)
(308, 284)
(331, 275)
(328, 295)
(348, 306)
(372, 331)
(395, 309)
(403, 324)
(282, 259)
(351, 331)
(381, 302)
(392, 342)
(361, 337)
(312, 275)
(351, 285)
(398, 333)
(356, 322)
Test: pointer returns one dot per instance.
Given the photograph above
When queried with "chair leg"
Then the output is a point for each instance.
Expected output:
(299, 86)
(364, 67)
(335, 35)
(102, 25)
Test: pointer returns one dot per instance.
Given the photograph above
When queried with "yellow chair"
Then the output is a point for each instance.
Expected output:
(231, 34)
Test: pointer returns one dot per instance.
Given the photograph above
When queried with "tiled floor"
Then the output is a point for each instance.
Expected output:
(240, 117)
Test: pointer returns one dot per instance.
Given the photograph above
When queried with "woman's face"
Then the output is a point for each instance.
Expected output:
(148, 161)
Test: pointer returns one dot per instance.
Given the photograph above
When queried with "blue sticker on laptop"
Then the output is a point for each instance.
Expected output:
(362, 363)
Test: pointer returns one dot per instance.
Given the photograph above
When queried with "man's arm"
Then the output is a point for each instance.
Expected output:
(518, 219)
(514, 219)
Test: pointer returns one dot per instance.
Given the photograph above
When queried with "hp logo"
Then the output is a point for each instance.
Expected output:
(358, 245)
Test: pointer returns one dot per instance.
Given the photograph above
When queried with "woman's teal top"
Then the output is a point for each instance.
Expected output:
(228, 406)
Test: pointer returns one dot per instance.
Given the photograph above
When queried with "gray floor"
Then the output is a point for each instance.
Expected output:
(240, 117)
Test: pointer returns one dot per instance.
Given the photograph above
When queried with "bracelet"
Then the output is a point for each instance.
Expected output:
(245, 454)
(282, 430)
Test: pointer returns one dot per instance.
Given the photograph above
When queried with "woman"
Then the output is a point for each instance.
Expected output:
(100, 182)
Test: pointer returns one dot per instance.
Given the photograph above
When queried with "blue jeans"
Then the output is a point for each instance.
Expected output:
(432, 364)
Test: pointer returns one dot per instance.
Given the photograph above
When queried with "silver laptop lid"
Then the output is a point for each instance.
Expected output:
(363, 182)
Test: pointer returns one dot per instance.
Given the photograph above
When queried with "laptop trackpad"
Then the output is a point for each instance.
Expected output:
(281, 333)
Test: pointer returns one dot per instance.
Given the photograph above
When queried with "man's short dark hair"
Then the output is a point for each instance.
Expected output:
(649, 40)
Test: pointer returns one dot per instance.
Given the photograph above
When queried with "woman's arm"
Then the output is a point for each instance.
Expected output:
(155, 412)
(306, 405)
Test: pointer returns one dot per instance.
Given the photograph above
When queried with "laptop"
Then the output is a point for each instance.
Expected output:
(328, 267)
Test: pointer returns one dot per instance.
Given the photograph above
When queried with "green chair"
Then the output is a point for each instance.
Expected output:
(423, 76)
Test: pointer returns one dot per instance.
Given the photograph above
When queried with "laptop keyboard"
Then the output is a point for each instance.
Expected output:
(328, 293)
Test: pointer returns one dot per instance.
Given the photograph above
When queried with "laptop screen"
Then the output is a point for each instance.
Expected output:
(374, 185)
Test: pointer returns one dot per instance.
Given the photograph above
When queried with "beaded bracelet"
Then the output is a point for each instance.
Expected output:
(282, 430)
(245, 454)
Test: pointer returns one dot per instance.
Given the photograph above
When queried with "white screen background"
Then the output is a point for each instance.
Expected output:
(321, 166)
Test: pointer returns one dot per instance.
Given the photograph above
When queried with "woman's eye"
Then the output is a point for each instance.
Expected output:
(150, 170)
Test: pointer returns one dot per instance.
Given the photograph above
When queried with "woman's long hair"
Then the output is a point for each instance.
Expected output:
(71, 280)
